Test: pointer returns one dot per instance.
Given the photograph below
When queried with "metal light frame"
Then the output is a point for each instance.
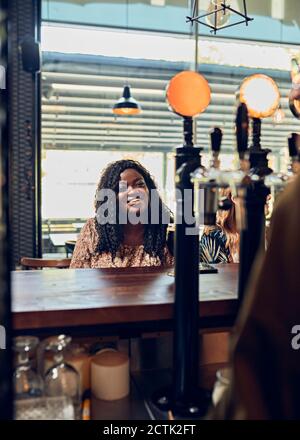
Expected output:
(223, 7)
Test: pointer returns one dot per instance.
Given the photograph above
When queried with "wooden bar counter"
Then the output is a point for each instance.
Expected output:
(113, 300)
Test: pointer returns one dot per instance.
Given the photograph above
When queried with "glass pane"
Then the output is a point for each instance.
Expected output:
(84, 73)
(158, 15)
(83, 77)
(274, 20)
(69, 184)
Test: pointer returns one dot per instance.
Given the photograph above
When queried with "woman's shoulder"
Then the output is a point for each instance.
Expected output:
(88, 232)
(90, 222)
(213, 246)
(214, 232)
(89, 226)
(85, 245)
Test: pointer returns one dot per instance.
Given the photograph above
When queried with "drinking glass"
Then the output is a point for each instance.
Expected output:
(62, 379)
(27, 382)
(221, 384)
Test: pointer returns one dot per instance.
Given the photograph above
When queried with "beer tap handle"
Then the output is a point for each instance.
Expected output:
(216, 140)
(292, 146)
(296, 137)
(242, 128)
(294, 153)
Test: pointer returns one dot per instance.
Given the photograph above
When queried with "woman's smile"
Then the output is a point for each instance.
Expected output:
(133, 199)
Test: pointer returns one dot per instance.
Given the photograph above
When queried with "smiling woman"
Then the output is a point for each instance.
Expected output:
(123, 233)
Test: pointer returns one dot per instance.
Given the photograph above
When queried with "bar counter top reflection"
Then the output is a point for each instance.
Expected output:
(68, 298)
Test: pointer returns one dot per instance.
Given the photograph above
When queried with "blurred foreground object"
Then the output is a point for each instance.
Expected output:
(44, 408)
(265, 358)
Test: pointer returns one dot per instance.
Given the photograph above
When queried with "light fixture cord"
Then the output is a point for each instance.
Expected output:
(196, 12)
(127, 26)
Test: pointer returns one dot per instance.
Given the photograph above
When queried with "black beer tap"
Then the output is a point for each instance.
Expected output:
(294, 153)
(216, 139)
(242, 130)
(184, 397)
(255, 194)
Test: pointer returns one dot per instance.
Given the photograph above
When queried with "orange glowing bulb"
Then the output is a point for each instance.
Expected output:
(188, 93)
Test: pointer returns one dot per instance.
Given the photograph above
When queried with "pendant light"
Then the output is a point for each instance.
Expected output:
(279, 115)
(126, 105)
(218, 15)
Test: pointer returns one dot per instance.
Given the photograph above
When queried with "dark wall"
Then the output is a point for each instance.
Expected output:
(24, 143)
(5, 302)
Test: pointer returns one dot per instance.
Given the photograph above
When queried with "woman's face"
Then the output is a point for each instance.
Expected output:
(133, 192)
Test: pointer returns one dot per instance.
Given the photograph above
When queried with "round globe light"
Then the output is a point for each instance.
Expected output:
(188, 93)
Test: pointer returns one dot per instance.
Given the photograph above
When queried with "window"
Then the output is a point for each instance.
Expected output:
(84, 71)
(274, 20)
(81, 135)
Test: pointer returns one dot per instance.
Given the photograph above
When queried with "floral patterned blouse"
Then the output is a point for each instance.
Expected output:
(213, 248)
(84, 255)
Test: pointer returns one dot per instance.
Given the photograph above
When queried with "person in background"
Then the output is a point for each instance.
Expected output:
(265, 344)
(220, 243)
(124, 245)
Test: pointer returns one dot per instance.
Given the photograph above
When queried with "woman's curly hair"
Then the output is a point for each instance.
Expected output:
(110, 236)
